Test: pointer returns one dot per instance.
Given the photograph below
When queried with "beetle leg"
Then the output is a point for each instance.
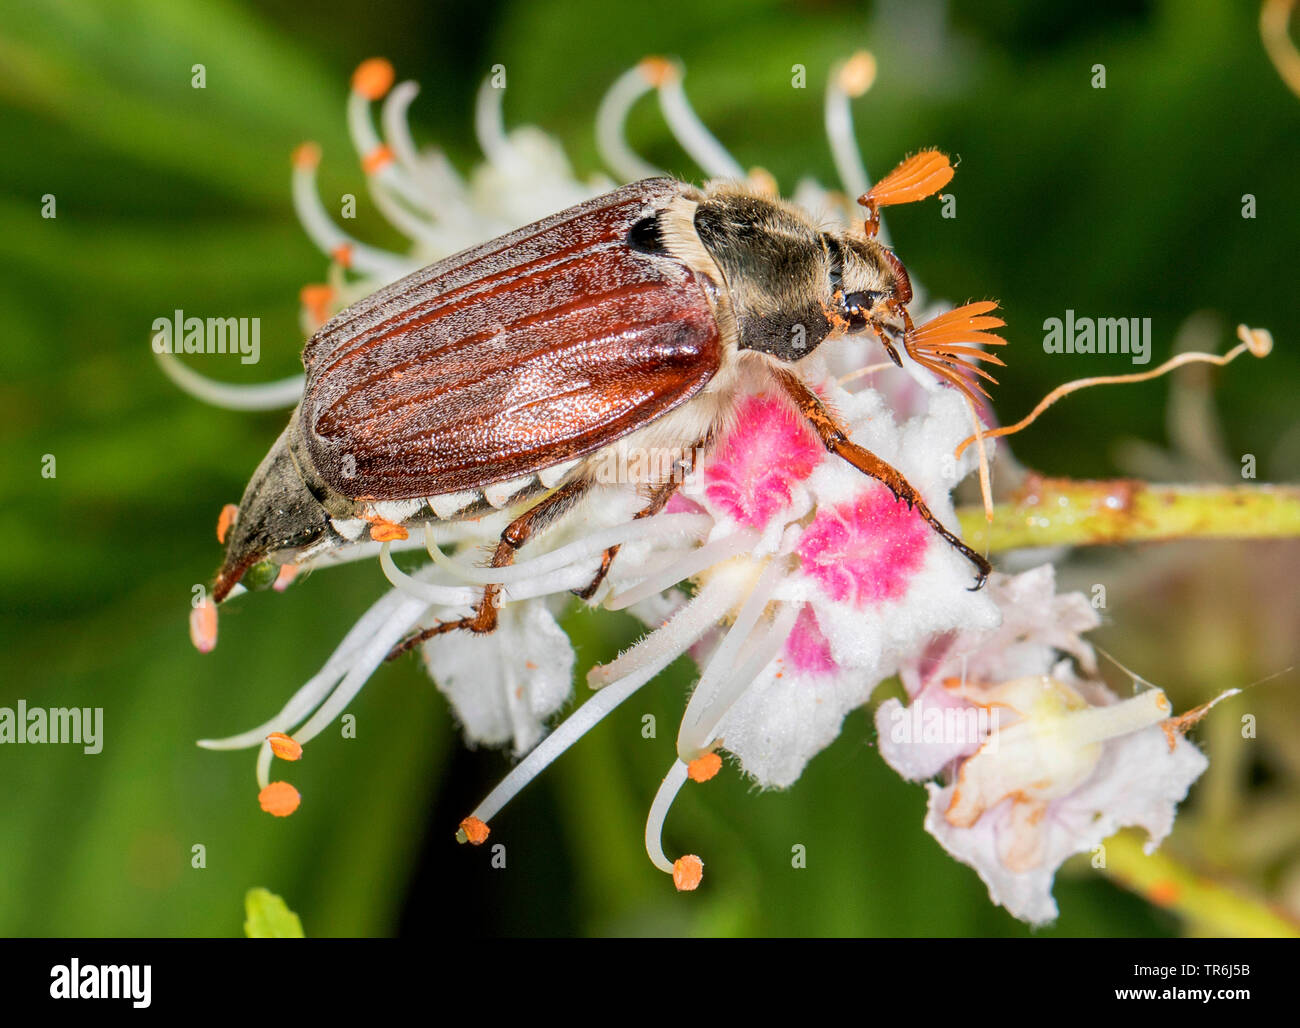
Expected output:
(606, 559)
(837, 442)
(517, 533)
(658, 500)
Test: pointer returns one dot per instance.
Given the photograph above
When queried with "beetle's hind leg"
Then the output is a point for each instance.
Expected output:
(517, 533)
(837, 442)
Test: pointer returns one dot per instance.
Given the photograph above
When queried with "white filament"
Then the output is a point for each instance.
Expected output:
(692, 564)
(366, 140)
(397, 131)
(369, 657)
(263, 768)
(661, 526)
(723, 659)
(690, 132)
(578, 724)
(654, 824)
(445, 595)
(611, 122)
(844, 145)
(674, 638)
(766, 643)
(410, 225)
(328, 237)
(262, 396)
(490, 126)
(310, 695)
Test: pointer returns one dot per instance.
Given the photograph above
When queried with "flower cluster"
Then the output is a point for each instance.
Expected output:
(797, 584)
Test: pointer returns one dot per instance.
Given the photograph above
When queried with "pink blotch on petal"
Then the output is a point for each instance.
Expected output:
(753, 473)
(806, 649)
(866, 551)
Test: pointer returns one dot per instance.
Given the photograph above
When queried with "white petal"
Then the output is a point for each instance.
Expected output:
(779, 724)
(505, 685)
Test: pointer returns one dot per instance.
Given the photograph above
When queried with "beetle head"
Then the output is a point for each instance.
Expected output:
(793, 286)
(870, 287)
(279, 519)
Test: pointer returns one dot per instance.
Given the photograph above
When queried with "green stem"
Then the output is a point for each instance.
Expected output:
(1062, 511)
(1210, 907)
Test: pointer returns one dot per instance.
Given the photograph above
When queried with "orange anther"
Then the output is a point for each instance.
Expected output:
(373, 78)
(343, 254)
(858, 73)
(317, 298)
(288, 572)
(377, 159)
(306, 155)
(279, 799)
(1164, 893)
(473, 831)
(688, 872)
(657, 70)
(284, 746)
(387, 532)
(203, 626)
(227, 518)
(701, 769)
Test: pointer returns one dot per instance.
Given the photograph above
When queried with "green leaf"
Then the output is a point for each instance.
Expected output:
(269, 917)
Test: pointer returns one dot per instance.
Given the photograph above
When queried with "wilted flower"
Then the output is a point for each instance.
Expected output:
(1059, 763)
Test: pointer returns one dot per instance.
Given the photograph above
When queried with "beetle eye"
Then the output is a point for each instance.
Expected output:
(862, 302)
(857, 306)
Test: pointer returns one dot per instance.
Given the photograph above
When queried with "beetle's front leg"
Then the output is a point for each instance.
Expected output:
(517, 533)
(836, 440)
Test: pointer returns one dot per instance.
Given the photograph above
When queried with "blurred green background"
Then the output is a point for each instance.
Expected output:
(1122, 202)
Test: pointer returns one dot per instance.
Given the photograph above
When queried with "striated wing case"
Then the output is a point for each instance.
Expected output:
(524, 352)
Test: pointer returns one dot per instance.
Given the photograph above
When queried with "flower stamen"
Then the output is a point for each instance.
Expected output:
(611, 122)
(689, 131)
(849, 81)
(697, 560)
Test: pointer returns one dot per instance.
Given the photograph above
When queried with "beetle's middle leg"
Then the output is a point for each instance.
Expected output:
(836, 440)
(659, 498)
(517, 533)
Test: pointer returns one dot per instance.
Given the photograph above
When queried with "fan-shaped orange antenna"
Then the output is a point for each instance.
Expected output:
(921, 175)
